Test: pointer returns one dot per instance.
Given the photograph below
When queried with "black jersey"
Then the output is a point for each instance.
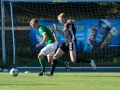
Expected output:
(70, 32)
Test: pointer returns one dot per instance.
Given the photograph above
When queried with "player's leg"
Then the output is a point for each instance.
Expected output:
(78, 60)
(66, 64)
(42, 63)
(57, 55)
(61, 50)
(49, 58)
(60, 62)
(47, 50)
(72, 51)
(81, 60)
(73, 56)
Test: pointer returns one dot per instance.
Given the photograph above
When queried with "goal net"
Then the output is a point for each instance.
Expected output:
(17, 37)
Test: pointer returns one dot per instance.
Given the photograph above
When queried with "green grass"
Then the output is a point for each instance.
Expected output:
(61, 81)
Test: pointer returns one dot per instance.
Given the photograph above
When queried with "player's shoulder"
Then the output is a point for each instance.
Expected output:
(71, 21)
(42, 27)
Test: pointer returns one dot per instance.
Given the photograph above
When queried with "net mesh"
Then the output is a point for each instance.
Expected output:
(23, 12)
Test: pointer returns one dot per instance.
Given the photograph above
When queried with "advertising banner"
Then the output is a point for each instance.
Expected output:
(91, 35)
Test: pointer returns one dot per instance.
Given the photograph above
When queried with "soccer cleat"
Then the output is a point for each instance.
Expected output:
(93, 64)
(41, 73)
(48, 74)
(67, 65)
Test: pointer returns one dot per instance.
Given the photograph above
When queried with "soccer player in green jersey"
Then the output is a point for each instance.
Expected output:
(50, 39)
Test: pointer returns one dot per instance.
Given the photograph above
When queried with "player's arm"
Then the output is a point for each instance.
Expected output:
(45, 37)
(60, 31)
(55, 36)
(69, 21)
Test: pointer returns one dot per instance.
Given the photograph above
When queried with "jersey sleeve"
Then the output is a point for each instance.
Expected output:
(66, 26)
(42, 30)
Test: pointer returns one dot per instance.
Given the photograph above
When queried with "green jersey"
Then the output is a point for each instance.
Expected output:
(43, 30)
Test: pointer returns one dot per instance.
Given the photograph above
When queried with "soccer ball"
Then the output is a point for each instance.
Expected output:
(14, 72)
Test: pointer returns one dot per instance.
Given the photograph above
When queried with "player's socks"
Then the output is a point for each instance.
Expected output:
(42, 63)
(82, 60)
(53, 66)
(65, 63)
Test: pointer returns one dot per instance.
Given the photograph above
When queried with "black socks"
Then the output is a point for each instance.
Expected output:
(53, 66)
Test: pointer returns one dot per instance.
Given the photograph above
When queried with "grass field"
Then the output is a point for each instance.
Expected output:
(61, 81)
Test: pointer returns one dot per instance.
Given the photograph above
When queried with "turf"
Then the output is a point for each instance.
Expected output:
(61, 81)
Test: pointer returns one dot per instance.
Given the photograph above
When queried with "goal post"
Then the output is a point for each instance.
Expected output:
(16, 32)
(3, 31)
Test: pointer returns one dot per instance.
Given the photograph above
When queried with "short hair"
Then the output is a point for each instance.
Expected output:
(61, 15)
(34, 20)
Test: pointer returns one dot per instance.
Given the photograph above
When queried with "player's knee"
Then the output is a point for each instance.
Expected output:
(40, 56)
(49, 61)
(55, 57)
(73, 60)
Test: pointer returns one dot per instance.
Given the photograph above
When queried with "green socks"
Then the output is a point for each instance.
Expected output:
(42, 63)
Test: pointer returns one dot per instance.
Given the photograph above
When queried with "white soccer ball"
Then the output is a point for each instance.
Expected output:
(14, 72)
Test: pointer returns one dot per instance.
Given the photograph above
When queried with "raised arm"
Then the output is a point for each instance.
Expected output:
(55, 36)
(60, 31)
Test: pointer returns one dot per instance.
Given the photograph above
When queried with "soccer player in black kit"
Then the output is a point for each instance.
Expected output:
(69, 45)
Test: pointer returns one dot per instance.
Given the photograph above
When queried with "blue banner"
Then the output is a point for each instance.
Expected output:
(91, 34)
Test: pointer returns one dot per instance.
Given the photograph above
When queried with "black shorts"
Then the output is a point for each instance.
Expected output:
(68, 46)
